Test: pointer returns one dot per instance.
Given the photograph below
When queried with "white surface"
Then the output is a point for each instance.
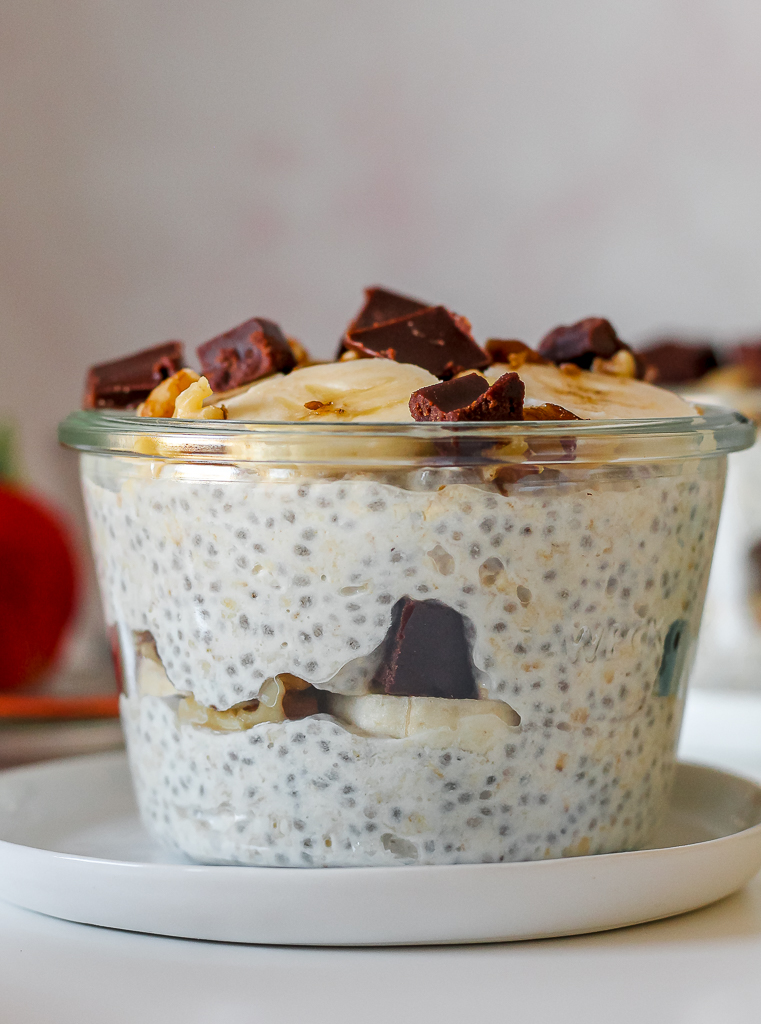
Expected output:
(71, 845)
(700, 968)
(723, 729)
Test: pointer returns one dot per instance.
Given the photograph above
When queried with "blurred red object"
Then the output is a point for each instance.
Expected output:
(39, 587)
(43, 707)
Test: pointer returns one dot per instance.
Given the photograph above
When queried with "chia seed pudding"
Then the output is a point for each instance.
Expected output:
(256, 577)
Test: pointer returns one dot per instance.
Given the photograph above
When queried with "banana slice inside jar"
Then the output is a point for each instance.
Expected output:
(475, 725)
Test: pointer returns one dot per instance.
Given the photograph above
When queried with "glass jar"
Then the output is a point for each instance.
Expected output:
(729, 650)
(371, 644)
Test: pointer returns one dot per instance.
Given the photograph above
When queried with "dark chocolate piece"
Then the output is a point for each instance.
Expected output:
(470, 398)
(125, 383)
(381, 305)
(434, 338)
(426, 653)
(581, 343)
(244, 354)
(514, 353)
(670, 361)
(448, 399)
(301, 703)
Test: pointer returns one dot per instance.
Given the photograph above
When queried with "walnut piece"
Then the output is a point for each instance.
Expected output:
(160, 402)
(621, 364)
(189, 405)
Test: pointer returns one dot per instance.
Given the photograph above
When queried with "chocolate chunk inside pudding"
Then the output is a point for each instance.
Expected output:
(427, 604)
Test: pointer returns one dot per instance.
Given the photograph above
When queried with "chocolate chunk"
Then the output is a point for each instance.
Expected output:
(125, 383)
(244, 354)
(434, 338)
(449, 399)
(380, 306)
(470, 398)
(581, 343)
(426, 653)
(514, 353)
(301, 703)
(670, 361)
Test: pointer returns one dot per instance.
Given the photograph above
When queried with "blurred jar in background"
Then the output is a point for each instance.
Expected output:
(729, 648)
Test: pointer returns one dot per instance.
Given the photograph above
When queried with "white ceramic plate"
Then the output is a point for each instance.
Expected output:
(71, 846)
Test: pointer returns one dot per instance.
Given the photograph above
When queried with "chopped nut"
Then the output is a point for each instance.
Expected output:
(281, 697)
(621, 364)
(161, 401)
(300, 354)
(570, 369)
(189, 405)
(512, 352)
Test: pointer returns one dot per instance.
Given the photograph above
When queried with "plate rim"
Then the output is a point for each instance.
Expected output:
(487, 904)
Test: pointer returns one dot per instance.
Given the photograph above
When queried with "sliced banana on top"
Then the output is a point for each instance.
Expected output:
(378, 391)
(593, 396)
(369, 390)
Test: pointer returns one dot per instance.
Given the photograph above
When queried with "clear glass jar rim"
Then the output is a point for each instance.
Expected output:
(735, 398)
(714, 431)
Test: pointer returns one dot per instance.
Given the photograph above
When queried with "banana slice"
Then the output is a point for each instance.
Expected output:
(594, 396)
(362, 390)
(151, 677)
(378, 391)
(398, 717)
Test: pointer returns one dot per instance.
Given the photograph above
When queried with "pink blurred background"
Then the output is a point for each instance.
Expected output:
(169, 169)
